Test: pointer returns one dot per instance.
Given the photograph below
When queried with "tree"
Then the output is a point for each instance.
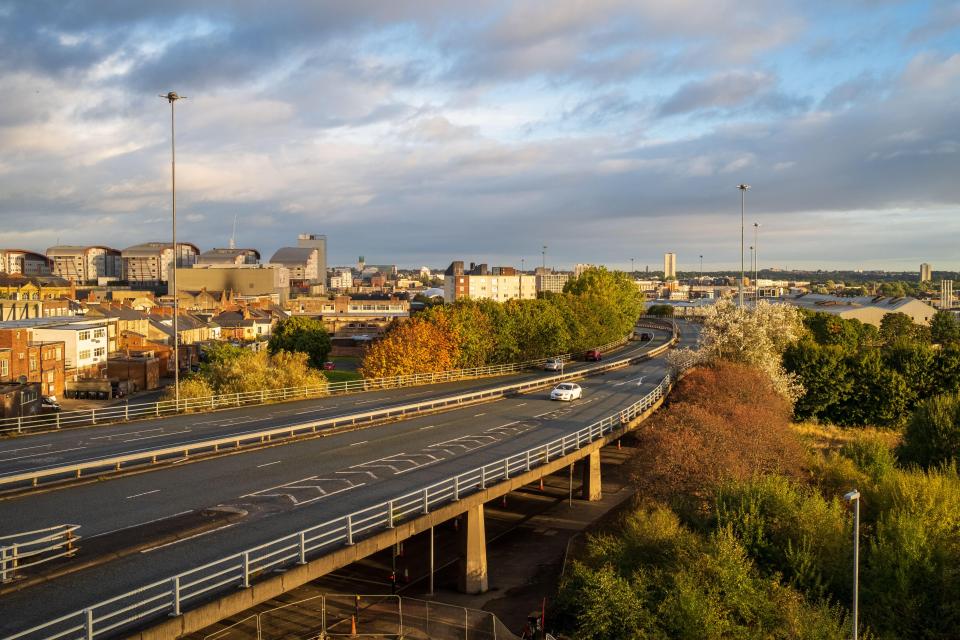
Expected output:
(418, 345)
(932, 436)
(944, 328)
(824, 374)
(894, 326)
(302, 334)
(660, 310)
(878, 395)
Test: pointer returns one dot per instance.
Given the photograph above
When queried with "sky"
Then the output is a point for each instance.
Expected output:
(417, 133)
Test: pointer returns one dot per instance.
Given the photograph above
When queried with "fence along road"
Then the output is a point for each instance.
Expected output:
(63, 455)
(430, 490)
(127, 412)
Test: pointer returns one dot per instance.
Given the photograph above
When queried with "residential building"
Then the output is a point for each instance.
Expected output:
(150, 262)
(342, 280)
(191, 329)
(19, 400)
(348, 316)
(926, 272)
(83, 265)
(21, 287)
(552, 282)
(250, 281)
(23, 309)
(303, 264)
(128, 320)
(318, 242)
(866, 309)
(580, 268)
(245, 325)
(478, 283)
(85, 343)
(228, 257)
(669, 265)
(47, 364)
(28, 263)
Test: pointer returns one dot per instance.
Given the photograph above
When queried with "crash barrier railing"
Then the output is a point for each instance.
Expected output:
(169, 596)
(126, 412)
(257, 438)
(329, 616)
(28, 549)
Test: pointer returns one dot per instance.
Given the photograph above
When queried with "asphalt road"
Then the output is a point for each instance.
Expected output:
(71, 446)
(293, 486)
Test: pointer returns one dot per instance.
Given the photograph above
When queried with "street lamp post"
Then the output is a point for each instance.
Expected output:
(854, 497)
(743, 191)
(544, 258)
(756, 258)
(701, 269)
(172, 97)
(631, 268)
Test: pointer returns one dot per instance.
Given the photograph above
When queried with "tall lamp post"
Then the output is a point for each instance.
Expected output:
(172, 97)
(544, 258)
(701, 268)
(756, 259)
(743, 192)
(854, 497)
(631, 268)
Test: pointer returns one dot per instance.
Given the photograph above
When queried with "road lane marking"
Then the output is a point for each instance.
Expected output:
(543, 414)
(522, 404)
(203, 533)
(477, 415)
(41, 453)
(145, 493)
(268, 464)
(37, 446)
(357, 444)
(140, 524)
(159, 435)
(429, 426)
(128, 433)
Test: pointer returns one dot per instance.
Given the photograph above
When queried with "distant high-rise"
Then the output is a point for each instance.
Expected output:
(669, 265)
(926, 272)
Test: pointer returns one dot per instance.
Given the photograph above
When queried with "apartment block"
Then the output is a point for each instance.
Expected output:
(553, 282)
(669, 265)
(302, 262)
(479, 283)
(28, 263)
(84, 265)
(228, 257)
(318, 242)
(347, 316)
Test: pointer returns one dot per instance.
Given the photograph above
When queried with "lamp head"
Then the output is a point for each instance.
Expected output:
(850, 496)
(743, 187)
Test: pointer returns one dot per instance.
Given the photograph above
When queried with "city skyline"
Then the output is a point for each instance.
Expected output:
(416, 134)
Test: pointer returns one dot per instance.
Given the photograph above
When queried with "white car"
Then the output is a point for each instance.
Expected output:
(553, 364)
(566, 391)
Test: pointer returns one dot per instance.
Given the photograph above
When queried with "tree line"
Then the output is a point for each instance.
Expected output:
(598, 307)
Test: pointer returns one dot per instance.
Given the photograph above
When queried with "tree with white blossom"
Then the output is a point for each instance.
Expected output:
(756, 336)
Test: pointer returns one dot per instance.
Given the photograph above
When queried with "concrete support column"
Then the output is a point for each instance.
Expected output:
(473, 577)
(591, 477)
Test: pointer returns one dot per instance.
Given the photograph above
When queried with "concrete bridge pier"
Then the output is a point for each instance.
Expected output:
(473, 536)
(591, 477)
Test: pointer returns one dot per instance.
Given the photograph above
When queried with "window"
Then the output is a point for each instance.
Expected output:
(59, 353)
(4, 368)
(99, 333)
(33, 363)
(99, 351)
(49, 376)
(85, 354)
(83, 335)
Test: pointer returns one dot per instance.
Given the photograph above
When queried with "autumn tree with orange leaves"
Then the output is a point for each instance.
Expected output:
(415, 346)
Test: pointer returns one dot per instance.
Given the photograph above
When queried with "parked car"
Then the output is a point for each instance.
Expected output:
(49, 403)
(566, 391)
(553, 364)
(593, 356)
(329, 365)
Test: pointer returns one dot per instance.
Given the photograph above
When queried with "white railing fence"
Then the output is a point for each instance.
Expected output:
(126, 412)
(168, 596)
(28, 549)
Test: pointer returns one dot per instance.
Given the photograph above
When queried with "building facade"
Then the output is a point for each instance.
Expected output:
(552, 282)
(669, 265)
(228, 257)
(150, 262)
(318, 242)
(303, 263)
(926, 272)
(83, 265)
(480, 284)
(28, 263)
(236, 280)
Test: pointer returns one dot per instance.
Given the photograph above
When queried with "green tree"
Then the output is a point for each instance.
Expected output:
(824, 374)
(660, 310)
(932, 436)
(878, 396)
(944, 328)
(302, 334)
(896, 326)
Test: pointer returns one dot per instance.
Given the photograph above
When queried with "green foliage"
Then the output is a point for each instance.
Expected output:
(301, 334)
(824, 373)
(660, 310)
(897, 326)
(230, 369)
(932, 436)
(944, 328)
(872, 455)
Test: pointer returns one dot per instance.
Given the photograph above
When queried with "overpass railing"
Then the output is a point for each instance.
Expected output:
(31, 548)
(126, 412)
(169, 596)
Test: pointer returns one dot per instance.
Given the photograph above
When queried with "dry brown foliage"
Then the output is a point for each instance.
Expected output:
(724, 421)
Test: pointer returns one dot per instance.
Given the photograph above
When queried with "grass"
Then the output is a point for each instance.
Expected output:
(341, 376)
(827, 437)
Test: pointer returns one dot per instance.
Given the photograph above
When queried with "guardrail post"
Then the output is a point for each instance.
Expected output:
(19, 424)
(246, 570)
(157, 406)
(456, 488)
(93, 416)
(349, 531)
(426, 501)
(506, 468)
(88, 624)
(303, 548)
(483, 477)
(58, 420)
(390, 515)
(3, 564)
(528, 460)
(176, 596)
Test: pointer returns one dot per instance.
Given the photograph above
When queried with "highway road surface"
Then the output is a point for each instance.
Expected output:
(71, 446)
(287, 488)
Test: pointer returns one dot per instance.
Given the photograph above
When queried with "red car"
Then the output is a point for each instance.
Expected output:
(593, 355)
(329, 365)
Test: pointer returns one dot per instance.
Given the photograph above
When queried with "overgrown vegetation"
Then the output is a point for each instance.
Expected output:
(598, 307)
(301, 334)
(759, 543)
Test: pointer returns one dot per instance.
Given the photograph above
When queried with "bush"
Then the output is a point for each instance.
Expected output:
(301, 334)
(932, 436)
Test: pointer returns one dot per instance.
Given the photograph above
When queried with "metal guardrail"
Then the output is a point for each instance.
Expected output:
(127, 412)
(30, 548)
(256, 438)
(168, 596)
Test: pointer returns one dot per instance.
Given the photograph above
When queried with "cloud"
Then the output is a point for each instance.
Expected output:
(728, 92)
